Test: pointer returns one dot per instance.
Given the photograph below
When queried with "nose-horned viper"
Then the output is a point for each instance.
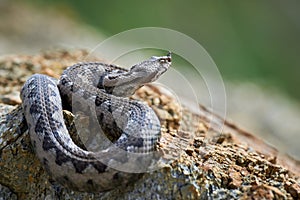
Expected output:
(102, 89)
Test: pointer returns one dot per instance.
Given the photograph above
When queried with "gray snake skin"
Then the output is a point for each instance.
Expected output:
(100, 90)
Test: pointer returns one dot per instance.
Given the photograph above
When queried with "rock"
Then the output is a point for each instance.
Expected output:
(198, 161)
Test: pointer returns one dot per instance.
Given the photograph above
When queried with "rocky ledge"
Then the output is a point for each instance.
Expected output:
(198, 160)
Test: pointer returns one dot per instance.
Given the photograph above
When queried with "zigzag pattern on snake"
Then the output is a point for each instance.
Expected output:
(103, 90)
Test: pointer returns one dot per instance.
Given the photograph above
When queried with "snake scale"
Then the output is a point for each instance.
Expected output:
(102, 89)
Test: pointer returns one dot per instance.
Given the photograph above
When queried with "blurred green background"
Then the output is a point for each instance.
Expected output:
(249, 40)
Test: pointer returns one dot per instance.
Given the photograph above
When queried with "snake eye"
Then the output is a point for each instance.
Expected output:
(111, 77)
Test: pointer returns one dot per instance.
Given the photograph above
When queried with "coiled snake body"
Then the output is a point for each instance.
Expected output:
(101, 89)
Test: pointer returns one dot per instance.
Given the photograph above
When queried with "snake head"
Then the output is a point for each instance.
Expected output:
(151, 69)
(125, 84)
